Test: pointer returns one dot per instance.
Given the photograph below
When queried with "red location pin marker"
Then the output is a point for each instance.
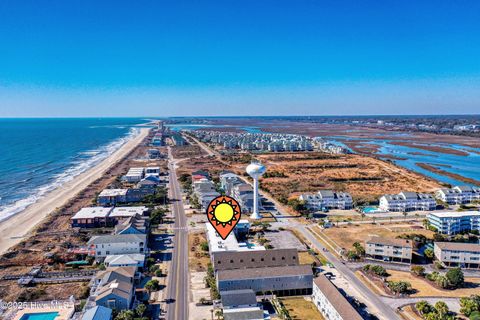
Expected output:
(224, 212)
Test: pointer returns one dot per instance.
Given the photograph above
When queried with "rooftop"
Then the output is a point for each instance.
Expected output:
(262, 273)
(128, 211)
(92, 212)
(454, 214)
(118, 238)
(459, 246)
(336, 299)
(113, 192)
(390, 241)
(238, 298)
(98, 313)
(217, 244)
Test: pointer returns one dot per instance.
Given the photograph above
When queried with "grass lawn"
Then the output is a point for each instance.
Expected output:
(305, 258)
(300, 308)
(345, 236)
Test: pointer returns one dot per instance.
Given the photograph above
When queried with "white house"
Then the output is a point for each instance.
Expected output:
(118, 244)
(134, 175)
(112, 196)
(126, 260)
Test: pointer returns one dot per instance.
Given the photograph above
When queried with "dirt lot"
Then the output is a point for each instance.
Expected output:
(345, 236)
(300, 308)
(197, 258)
(364, 177)
(189, 151)
(61, 291)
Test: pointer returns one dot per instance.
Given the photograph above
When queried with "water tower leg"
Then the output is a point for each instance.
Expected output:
(255, 214)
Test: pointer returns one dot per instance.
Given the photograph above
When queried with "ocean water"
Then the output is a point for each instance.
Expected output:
(39, 155)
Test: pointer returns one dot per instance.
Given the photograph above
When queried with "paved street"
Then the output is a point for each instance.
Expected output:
(177, 289)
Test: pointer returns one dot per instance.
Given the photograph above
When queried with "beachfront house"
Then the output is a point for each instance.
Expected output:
(110, 197)
(458, 194)
(407, 201)
(93, 217)
(125, 212)
(134, 175)
(136, 260)
(118, 244)
(327, 199)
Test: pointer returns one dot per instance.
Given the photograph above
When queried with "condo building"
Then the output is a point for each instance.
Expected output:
(327, 199)
(407, 201)
(457, 254)
(453, 222)
(388, 249)
(458, 194)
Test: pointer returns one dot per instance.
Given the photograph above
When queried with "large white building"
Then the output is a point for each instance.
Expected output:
(453, 222)
(407, 201)
(327, 199)
(330, 302)
(458, 194)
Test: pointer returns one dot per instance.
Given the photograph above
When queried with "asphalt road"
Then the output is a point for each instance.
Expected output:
(177, 285)
(386, 311)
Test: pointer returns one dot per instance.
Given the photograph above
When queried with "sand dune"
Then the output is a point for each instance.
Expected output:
(14, 229)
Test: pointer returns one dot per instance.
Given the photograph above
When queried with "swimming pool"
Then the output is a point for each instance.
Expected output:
(40, 316)
(370, 210)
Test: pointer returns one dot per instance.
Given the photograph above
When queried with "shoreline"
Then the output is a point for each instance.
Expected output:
(14, 229)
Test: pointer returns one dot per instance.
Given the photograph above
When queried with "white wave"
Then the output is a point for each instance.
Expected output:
(68, 175)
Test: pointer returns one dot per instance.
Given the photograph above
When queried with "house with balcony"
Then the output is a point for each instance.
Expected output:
(458, 254)
(453, 222)
(407, 201)
(389, 249)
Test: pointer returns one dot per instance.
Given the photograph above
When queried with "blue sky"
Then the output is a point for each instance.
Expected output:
(159, 58)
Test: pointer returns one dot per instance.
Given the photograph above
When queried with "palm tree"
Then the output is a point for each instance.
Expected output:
(442, 309)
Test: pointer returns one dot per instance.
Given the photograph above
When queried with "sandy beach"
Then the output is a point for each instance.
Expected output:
(14, 229)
